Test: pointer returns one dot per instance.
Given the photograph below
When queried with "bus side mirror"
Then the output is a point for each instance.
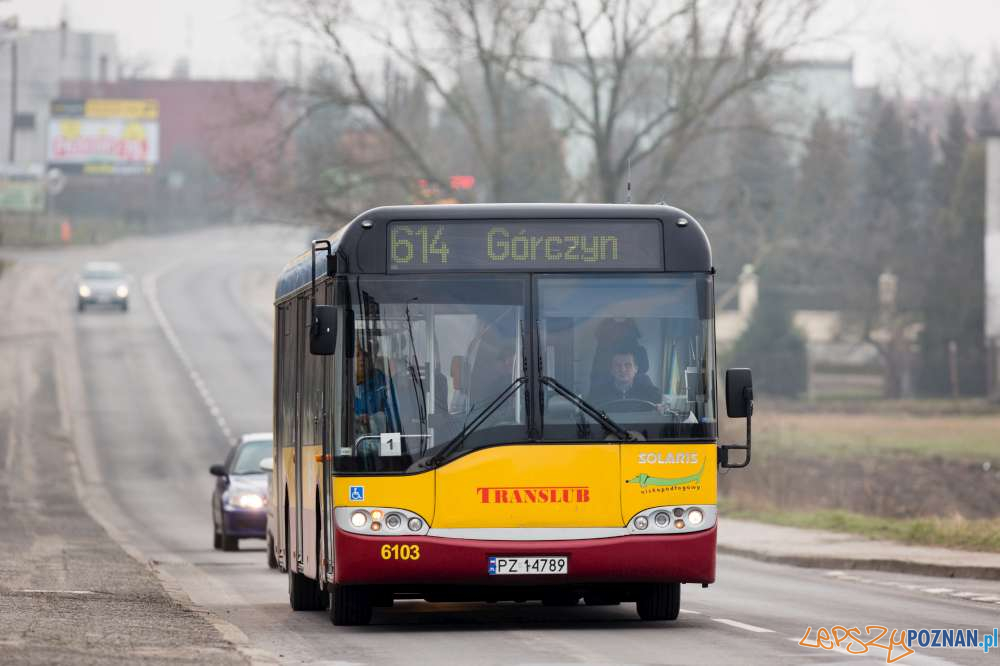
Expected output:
(739, 393)
(323, 340)
(739, 405)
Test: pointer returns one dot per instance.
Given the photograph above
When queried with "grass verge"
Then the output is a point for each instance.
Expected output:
(979, 535)
(971, 437)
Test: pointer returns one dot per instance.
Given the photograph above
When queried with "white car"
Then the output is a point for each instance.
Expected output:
(102, 283)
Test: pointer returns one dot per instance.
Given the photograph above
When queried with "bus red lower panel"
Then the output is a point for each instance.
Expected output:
(688, 558)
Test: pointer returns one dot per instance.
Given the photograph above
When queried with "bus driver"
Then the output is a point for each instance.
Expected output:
(625, 382)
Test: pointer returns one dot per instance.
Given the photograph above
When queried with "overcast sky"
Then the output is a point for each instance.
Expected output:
(223, 37)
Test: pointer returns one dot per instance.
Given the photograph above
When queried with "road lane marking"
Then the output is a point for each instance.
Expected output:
(742, 625)
(149, 289)
(979, 597)
(690, 612)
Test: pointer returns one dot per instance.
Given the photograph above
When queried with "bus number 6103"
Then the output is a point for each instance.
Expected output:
(397, 551)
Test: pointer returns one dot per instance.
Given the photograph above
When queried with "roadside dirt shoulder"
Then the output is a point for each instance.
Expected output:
(68, 592)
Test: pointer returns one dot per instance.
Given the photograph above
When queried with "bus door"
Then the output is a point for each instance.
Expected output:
(277, 495)
(302, 349)
(286, 427)
(333, 424)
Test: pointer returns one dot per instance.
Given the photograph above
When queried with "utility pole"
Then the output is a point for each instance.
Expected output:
(10, 24)
(13, 98)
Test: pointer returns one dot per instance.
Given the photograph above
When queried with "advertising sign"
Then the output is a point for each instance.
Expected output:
(22, 189)
(104, 136)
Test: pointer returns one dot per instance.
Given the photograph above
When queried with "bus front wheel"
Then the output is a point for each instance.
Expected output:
(350, 605)
(272, 560)
(659, 602)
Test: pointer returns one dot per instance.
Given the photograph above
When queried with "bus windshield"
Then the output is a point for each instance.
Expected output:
(430, 357)
(437, 364)
(638, 349)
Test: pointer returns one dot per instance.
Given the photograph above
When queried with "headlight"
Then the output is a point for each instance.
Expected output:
(121, 291)
(249, 501)
(673, 519)
(372, 520)
(359, 519)
(84, 291)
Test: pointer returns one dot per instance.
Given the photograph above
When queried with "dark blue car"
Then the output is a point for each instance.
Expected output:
(239, 501)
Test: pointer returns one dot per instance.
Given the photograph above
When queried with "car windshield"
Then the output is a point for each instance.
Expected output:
(430, 357)
(249, 457)
(637, 348)
(102, 272)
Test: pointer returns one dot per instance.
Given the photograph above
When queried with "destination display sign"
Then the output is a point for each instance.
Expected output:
(525, 245)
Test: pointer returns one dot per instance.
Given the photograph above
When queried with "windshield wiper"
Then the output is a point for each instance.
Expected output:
(588, 409)
(457, 440)
(415, 378)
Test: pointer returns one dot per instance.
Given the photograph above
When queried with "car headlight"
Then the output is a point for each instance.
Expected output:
(121, 291)
(84, 291)
(246, 501)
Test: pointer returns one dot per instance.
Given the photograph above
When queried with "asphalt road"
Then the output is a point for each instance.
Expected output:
(190, 363)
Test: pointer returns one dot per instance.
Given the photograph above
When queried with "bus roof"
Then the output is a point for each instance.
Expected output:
(361, 245)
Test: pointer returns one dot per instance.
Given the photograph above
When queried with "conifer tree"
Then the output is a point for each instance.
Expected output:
(953, 304)
(881, 239)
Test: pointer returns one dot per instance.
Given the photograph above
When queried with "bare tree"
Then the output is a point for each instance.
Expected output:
(641, 80)
(451, 47)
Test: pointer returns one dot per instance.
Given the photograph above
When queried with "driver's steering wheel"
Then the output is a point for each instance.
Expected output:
(645, 405)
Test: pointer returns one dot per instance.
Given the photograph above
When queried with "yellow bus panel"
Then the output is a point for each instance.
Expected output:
(413, 492)
(667, 475)
(570, 485)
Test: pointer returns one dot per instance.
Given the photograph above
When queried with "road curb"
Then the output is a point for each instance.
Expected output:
(867, 564)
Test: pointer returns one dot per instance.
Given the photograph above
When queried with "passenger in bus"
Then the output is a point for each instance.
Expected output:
(624, 381)
(372, 403)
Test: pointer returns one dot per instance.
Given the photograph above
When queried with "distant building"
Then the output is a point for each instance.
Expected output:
(796, 93)
(214, 137)
(45, 58)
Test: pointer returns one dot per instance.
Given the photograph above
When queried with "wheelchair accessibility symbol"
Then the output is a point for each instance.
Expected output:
(357, 493)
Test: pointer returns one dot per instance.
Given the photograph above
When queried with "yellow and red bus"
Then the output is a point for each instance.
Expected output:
(499, 402)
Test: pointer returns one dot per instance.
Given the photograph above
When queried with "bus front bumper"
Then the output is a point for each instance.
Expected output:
(684, 558)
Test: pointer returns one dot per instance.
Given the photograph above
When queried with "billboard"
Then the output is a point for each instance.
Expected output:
(104, 136)
(22, 189)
